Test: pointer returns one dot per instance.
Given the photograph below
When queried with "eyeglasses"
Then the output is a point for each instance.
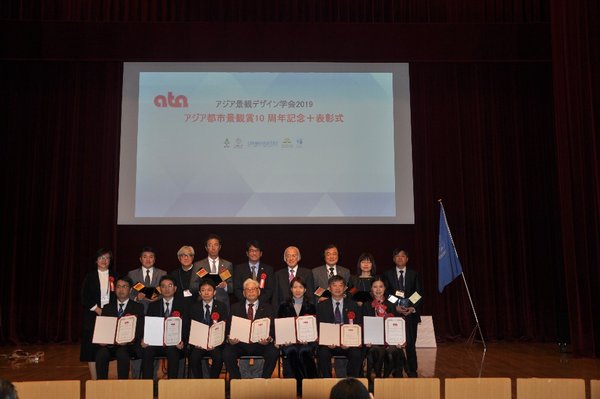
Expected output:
(123, 286)
(185, 255)
(163, 286)
(251, 289)
(104, 257)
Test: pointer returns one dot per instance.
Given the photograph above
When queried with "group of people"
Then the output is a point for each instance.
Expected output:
(329, 292)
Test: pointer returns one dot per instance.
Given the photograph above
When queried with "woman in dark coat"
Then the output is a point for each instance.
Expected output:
(97, 290)
(299, 360)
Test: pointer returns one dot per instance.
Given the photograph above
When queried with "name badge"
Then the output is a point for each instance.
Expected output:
(400, 294)
(187, 293)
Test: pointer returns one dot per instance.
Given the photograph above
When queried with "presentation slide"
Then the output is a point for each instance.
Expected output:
(265, 143)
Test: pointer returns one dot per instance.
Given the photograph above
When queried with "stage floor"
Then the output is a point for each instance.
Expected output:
(449, 360)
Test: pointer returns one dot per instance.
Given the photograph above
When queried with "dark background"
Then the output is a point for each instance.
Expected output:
(504, 97)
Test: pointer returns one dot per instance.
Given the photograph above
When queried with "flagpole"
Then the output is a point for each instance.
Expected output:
(477, 326)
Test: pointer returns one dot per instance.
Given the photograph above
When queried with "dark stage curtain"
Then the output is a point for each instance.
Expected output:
(576, 60)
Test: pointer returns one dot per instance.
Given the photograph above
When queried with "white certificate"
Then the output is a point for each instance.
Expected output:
(126, 329)
(104, 330)
(374, 330)
(395, 332)
(240, 329)
(153, 330)
(216, 335)
(199, 334)
(329, 334)
(351, 335)
(260, 329)
(306, 328)
(173, 326)
(285, 331)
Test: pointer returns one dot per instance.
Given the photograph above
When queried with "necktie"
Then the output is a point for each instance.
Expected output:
(207, 315)
(338, 314)
(291, 274)
(331, 269)
(253, 272)
(213, 267)
(167, 310)
(401, 280)
(120, 312)
(250, 311)
(147, 279)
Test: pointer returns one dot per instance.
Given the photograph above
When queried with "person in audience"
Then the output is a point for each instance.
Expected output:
(322, 274)
(253, 309)
(168, 306)
(403, 282)
(208, 311)
(148, 275)
(97, 291)
(349, 388)
(283, 277)
(121, 306)
(360, 284)
(256, 270)
(185, 275)
(7, 390)
(382, 360)
(339, 310)
(214, 265)
(298, 359)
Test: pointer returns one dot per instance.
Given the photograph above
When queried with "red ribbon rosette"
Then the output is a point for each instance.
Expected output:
(263, 277)
(351, 317)
(111, 280)
(176, 314)
(215, 317)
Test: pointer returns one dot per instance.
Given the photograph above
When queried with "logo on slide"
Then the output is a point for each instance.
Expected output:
(171, 101)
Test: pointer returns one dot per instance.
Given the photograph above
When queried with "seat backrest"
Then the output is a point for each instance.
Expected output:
(48, 389)
(119, 389)
(263, 388)
(476, 388)
(550, 388)
(319, 388)
(191, 388)
(595, 389)
(410, 388)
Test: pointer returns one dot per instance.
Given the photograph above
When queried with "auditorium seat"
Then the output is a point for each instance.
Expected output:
(48, 389)
(476, 388)
(410, 388)
(594, 389)
(263, 388)
(119, 389)
(319, 388)
(550, 388)
(191, 388)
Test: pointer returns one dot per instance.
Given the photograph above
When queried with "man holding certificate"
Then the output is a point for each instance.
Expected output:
(250, 332)
(335, 311)
(128, 334)
(209, 312)
(168, 338)
(406, 285)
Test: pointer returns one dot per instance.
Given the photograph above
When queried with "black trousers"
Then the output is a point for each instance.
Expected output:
(122, 353)
(171, 352)
(300, 361)
(354, 355)
(217, 362)
(232, 352)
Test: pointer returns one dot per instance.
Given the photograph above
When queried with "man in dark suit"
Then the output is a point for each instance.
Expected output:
(208, 311)
(336, 310)
(403, 283)
(148, 274)
(214, 265)
(251, 308)
(255, 270)
(121, 306)
(291, 256)
(168, 306)
(322, 274)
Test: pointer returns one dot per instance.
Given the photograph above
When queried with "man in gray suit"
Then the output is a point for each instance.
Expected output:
(214, 265)
(321, 274)
(148, 274)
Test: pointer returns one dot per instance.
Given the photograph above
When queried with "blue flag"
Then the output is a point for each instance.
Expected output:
(449, 266)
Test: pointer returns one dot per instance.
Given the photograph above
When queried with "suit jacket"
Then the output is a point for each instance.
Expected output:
(155, 309)
(242, 272)
(412, 284)
(132, 308)
(90, 289)
(282, 284)
(221, 295)
(286, 309)
(320, 274)
(138, 275)
(265, 309)
(325, 311)
(197, 311)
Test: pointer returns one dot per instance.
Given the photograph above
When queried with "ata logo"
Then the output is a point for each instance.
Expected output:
(171, 101)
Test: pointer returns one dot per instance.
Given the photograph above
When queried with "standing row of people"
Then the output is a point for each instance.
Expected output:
(285, 293)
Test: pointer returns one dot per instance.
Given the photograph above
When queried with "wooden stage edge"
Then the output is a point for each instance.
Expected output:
(448, 360)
